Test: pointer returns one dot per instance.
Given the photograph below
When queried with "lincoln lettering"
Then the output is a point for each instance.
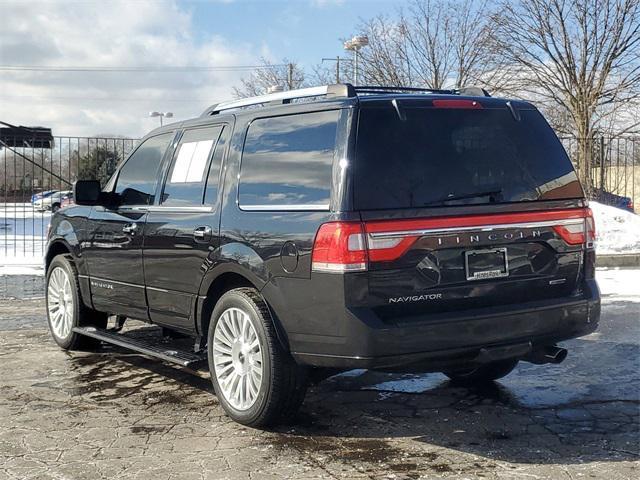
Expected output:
(492, 237)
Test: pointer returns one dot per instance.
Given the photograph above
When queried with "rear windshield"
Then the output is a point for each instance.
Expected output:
(426, 156)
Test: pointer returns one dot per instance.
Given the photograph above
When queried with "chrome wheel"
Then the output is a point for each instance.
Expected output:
(60, 302)
(237, 358)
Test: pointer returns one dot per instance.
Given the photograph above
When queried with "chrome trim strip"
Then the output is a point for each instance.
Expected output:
(479, 228)
(338, 267)
(162, 290)
(161, 208)
(99, 279)
(284, 208)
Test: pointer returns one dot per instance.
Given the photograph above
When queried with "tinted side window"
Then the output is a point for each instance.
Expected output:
(287, 161)
(213, 177)
(185, 182)
(137, 178)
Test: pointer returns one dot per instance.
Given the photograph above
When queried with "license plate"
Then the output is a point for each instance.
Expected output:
(483, 264)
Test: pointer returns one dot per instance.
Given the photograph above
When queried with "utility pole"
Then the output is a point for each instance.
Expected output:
(290, 76)
(337, 60)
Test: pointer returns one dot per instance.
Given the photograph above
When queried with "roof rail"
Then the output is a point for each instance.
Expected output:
(337, 90)
(473, 92)
(376, 89)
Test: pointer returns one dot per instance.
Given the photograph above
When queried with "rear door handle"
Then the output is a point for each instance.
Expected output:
(202, 232)
(130, 228)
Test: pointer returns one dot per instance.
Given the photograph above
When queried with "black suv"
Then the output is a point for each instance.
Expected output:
(304, 233)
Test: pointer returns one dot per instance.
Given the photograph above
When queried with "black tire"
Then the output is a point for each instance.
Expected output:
(484, 373)
(283, 382)
(81, 314)
(55, 207)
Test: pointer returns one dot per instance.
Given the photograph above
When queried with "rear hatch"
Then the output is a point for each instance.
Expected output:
(465, 204)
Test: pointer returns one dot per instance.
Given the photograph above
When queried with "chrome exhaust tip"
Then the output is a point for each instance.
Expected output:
(547, 354)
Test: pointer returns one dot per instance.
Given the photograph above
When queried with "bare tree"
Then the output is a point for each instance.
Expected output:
(433, 43)
(580, 56)
(287, 74)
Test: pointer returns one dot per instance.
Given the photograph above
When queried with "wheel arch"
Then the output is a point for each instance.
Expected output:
(59, 246)
(55, 248)
(218, 286)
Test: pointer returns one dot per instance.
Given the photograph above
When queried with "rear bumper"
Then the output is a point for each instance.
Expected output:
(437, 343)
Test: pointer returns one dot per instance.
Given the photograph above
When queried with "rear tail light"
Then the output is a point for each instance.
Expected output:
(339, 247)
(579, 232)
(343, 247)
(572, 233)
(350, 246)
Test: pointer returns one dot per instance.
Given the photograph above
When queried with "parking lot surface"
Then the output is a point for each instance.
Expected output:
(113, 414)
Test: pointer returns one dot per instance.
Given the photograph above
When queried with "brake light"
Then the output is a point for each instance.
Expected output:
(572, 233)
(579, 233)
(388, 249)
(454, 103)
(350, 246)
(339, 247)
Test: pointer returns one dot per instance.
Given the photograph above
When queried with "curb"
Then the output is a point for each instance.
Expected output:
(631, 260)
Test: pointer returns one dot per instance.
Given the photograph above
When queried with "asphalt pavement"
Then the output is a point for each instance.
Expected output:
(112, 414)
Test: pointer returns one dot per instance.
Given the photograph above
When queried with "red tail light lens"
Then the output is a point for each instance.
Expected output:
(339, 247)
(350, 246)
(388, 249)
(579, 232)
(572, 233)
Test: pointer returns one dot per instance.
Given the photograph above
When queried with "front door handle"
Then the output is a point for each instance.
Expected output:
(202, 232)
(130, 228)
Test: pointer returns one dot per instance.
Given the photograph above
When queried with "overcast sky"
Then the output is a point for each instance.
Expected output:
(152, 33)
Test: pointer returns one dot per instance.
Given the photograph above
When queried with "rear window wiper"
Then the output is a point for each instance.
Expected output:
(452, 197)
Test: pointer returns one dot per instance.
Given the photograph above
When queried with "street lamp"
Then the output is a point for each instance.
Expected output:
(161, 115)
(355, 44)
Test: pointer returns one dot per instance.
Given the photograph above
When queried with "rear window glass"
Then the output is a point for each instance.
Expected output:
(287, 161)
(453, 156)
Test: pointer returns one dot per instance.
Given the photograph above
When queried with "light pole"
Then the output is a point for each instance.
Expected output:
(161, 115)
(355, 44)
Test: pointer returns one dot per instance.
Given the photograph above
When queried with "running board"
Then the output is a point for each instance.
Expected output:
(179, 357)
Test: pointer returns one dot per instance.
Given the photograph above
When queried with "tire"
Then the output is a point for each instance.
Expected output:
(241, 342)
(55, 207)
(65, 309)
(484, 373)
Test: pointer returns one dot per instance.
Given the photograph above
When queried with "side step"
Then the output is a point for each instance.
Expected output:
(179, 357)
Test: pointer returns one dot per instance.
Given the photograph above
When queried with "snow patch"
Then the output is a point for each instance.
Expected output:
(617, 230)
(619, 284)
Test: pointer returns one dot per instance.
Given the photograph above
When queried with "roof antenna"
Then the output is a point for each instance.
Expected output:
(514, 111)
(396, 106)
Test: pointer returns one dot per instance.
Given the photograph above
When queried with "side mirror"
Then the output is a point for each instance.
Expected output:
(86, 192)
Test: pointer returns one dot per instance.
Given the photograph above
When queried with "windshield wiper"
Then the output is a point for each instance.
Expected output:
(452, 197)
